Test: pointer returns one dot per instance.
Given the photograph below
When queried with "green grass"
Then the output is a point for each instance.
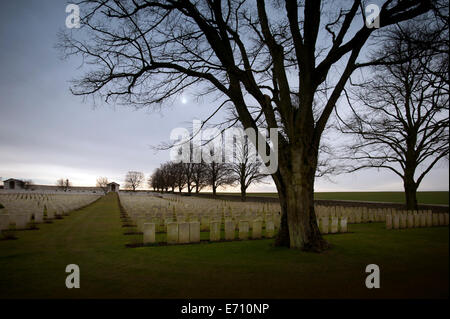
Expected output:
(413, 263)
(438, 198)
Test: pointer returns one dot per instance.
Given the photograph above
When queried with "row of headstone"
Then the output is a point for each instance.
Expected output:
(62, 204)
(194, 209)
(20, 221)
(177, 233)
(333, 225)
(418, 219)
(20, 212)
(205, 221)
(354, 215)
(189, 232)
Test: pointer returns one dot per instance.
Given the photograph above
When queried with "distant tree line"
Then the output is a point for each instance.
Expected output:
(64, 184)
(194, 177)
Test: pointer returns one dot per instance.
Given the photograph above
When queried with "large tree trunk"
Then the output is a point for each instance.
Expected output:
(299, 228)
(282, 238)
(243, 193)
(410, 193)
(410, 168)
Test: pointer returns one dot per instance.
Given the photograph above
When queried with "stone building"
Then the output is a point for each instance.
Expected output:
(113, 187)
(13, 184)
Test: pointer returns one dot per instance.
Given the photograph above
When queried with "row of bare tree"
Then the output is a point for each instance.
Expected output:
(197, 176)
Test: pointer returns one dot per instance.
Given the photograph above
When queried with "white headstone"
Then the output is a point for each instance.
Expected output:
(403, 221)
(389, 221)
(194, 232)
(358, 215)
(410, 220)
(435, 219)
(39, 217)
(214, 231)
(416, 220)
(243, 229)
(229, 229)
(343, 225)
(270, 229)
(371, 216)
(149, 233)
(183, 233)
(429, 219)
(324, 225)
(334, 225)
(423, 219)
(396, 221)
(172, 233)
(256, 229)
(441, 219)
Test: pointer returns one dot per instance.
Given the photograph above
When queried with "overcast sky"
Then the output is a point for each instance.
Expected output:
(46, 133)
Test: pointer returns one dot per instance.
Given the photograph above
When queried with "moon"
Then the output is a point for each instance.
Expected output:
(183, 100)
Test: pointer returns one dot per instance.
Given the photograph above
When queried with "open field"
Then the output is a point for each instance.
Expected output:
(413, 263)
(437, 198)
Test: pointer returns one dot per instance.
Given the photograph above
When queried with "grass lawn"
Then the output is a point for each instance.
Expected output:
(439, 198)
(414, 263)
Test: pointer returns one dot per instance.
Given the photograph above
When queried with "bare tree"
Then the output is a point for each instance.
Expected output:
(199, 176)
(133, 180)
(151, 181)
(256, 56)
(401, 116)
(171, 173)
(102, 182)
(64, 184)
(246, 166)
(188, 171)
(156, 181)
(218, 174)
(180, 178)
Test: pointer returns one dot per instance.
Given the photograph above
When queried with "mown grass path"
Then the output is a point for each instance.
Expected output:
(414, 264)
